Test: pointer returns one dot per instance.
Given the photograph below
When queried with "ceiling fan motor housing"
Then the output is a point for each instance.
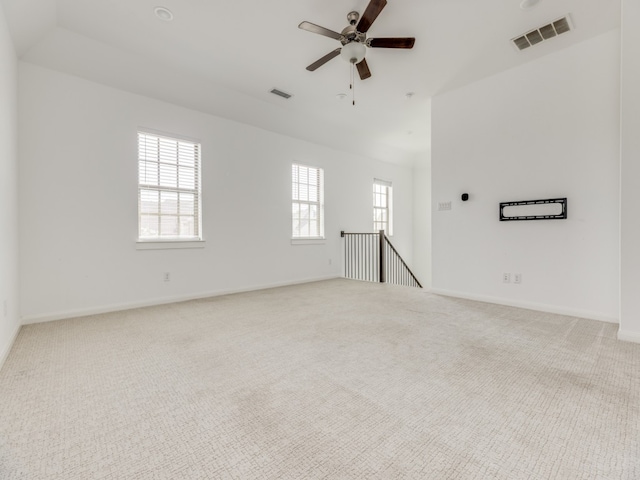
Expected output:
(350, 34)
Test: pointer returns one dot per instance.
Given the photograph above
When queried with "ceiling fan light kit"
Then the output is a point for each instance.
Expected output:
(353, 52)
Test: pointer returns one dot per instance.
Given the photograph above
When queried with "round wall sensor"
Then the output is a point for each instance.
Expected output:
(527, 4)
(163, 14)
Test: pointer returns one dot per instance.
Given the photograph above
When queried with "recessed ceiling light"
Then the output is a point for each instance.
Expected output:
(527, 4)
(163, 14)
(341, 96)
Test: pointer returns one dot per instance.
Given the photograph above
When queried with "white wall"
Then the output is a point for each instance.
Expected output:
(547, 129)
(9, 320)
(78, 202)
(421, 266)
(630, 173)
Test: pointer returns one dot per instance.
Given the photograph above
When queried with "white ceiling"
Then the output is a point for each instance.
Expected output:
(224, 57)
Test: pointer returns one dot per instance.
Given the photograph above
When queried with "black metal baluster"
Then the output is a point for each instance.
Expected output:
(366, 242)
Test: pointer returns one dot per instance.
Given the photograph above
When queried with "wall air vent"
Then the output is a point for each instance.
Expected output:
(538, 35)
(280, 93)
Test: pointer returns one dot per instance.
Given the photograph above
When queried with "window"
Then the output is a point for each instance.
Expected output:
(307, 201)
(168, 188)
(382, 201)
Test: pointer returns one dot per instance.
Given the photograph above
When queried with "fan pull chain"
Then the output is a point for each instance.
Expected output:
(351, 77)
(352, 87)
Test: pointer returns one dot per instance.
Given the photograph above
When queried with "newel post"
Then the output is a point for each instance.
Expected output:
(382, 266)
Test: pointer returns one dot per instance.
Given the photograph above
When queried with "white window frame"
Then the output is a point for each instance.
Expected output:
(185, 163)
(383, 204)
(300, 201)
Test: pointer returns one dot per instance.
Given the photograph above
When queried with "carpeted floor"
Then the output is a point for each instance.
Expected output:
(330, 380)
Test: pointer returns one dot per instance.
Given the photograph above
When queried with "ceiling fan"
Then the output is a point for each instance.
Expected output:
(354, 39)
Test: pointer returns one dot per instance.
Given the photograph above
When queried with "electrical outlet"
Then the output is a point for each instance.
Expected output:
(506, 278)
(167, 276)
(444, 206)
(517, 278)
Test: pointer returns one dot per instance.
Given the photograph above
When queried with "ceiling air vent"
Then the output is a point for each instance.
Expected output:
(280, 93)
(553, 29)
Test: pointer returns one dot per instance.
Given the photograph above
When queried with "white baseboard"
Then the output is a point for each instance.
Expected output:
(4, 353)
(541, 307)
(27, 320)
(628, 336)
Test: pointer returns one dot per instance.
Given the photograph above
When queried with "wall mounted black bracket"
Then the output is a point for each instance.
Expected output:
(533, 210)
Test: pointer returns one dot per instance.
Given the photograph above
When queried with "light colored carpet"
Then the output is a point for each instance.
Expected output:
(331, 380)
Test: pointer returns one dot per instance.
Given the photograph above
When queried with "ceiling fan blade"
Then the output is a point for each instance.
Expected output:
(392, 42)
(323, 60)
(313, 28)
(363, 69)
(370, 14)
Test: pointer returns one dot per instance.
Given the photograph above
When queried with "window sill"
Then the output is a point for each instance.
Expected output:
(168, 244)
(308, 241)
